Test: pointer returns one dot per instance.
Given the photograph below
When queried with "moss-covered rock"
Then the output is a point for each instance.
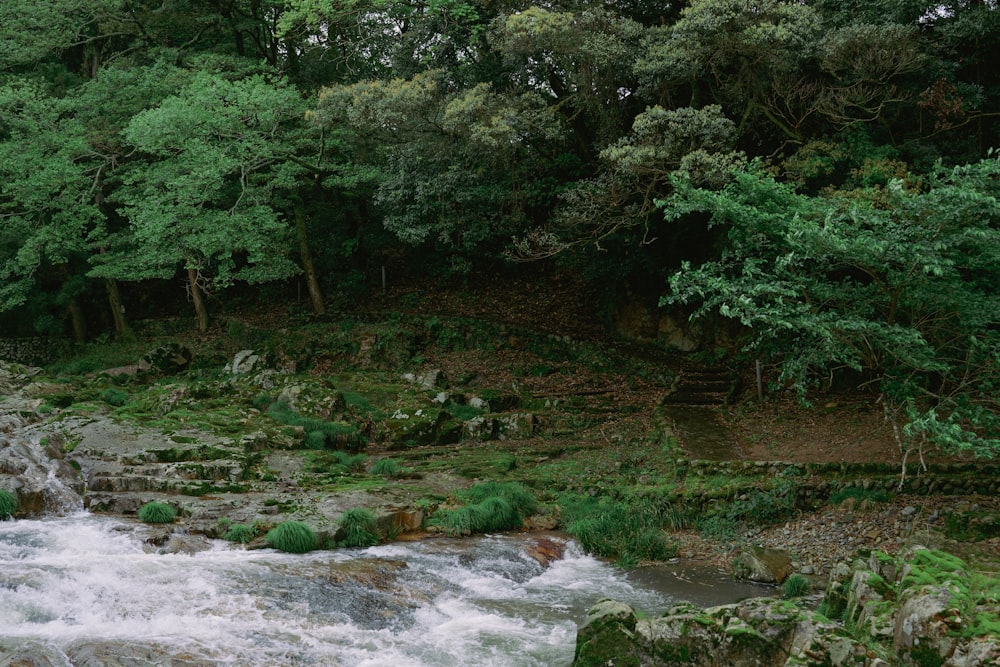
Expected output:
(608, 637)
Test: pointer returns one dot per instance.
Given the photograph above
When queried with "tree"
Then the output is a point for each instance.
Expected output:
(203, 200)
(47, 210)
(899, 284)
(452, 169)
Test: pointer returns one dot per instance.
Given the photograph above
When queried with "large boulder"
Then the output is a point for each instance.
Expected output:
(767, 566)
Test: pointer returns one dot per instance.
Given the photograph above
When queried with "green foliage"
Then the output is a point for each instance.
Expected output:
(8, 504)
(860, 495)
(241, 533)
(796, 586)
(358, 527)
(292, 537)
(319, 434)
(490, 507)
(387, 468)
(898, 284)
(114, 397)
(971, 526)
(760, 507)
(628, 532)
(155, 512)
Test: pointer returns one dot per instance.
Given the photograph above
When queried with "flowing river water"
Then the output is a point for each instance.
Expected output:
(82, 585)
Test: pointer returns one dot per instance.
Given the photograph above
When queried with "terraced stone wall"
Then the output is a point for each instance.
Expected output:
(35, 351)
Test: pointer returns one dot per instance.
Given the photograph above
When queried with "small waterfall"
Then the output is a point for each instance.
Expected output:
(36, 473)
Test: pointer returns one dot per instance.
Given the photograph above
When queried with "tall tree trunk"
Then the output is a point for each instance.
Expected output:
(122, 331)
(201, 312)
(76, 320)
(312, 281)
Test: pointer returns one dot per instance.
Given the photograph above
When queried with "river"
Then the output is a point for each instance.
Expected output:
(83, 585)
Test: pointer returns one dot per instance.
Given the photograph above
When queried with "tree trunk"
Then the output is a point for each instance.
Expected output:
(315, 294)
(201, 312)
(122, 331)
(76, 320)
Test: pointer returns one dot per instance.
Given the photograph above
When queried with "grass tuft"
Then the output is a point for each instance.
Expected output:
(8, 504)
(796, 586)
(358, 527)
(240, 533)
(157, 513)
(292, 537)
(490, 507)
(388, 468)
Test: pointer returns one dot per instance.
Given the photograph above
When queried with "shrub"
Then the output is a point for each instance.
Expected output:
(358, 528)
(292, 537)
(796, 586)
(8, 504)
(241, 533)
(157, 513)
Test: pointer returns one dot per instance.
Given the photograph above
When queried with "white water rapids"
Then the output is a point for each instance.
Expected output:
(87, 579)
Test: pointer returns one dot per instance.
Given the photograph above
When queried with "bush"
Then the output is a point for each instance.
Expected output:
(241, 533)
(157, 513)
(8, 504)
(292, 537)
(358, 528)
(796, 586)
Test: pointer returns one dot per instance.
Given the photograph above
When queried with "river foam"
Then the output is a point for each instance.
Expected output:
(82, 580)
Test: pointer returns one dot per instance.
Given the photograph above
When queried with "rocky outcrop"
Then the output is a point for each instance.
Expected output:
(920, 610)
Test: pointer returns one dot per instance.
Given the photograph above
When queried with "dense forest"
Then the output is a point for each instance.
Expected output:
(821, 171)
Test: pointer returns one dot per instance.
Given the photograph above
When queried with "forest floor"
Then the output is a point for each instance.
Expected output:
(847, 425)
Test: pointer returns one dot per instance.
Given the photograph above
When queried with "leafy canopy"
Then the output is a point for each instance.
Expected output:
(899, 284)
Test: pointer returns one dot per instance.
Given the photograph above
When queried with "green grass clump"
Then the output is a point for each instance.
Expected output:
(8, 504)
(316, 440)
(859, 495)
(157, 513)
(114, 397)
(388, 468)
(490, 507)
(319, 434)
(358, 527)
(796, 586)
(627, 531)
(336, 463)
(292, 537)
(241, 533)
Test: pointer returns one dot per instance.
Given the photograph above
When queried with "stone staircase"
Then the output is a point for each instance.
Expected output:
(691, 408)
(703, 387)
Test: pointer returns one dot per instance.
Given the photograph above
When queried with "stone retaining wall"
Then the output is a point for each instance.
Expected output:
(35, 351)
(820, 480)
